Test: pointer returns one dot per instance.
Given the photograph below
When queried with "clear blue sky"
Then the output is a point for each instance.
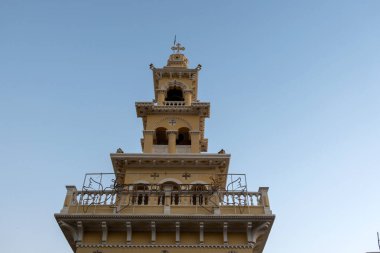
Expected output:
(294, 88)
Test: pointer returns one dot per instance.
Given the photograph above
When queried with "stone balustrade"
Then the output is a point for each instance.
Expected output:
(154, 196)
(163, 149)
(173, 103)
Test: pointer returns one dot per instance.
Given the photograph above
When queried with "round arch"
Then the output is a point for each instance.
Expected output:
(172, 84)
(170, 180)
(164, 122)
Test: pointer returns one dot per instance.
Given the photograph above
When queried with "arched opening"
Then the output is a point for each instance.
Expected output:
(174, 94)
(140, 194)
(199, 196)
(183, 136)
(160, 137)
(171, 187)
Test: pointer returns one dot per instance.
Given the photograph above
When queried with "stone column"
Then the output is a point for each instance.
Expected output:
(161, 97)
(188, 97)
(148, 141)
(172, 136)
(195, 138)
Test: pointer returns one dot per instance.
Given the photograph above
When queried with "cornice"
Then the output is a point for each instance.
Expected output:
(176, 70)
(171, 156)
(124, 217)
(196, 108)
(121, 161)
(212, 246)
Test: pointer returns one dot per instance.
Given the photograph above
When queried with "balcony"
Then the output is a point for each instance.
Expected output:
(155, 200)
(218, 214)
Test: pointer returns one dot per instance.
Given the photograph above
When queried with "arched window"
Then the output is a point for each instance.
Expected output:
(199, 196)
(140, 194)
(160, 137)
(171, 187)
(183, 136)
(174, 94)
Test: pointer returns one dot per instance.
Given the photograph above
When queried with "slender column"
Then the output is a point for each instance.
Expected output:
(225, 233)
(104, 232)
(148, 140)
(70, 198)
(161, 97)
(153, 228)
(188, 97)
(201, 233)
(195, 137)
(177, 232)
(172, 136)
(129, 232)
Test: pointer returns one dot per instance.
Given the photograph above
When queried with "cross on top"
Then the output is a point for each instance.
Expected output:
(178, 47)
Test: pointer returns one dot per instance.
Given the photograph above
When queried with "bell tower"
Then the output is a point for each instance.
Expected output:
(174, 196)
(174, 122)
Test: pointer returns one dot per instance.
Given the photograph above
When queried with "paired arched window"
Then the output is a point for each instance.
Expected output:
(140, 194)
(161, 138)
(199, 196)
(173, 188)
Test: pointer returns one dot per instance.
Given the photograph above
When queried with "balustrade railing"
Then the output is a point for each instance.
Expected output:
(160, 149)
(158, 197)
(174, 103)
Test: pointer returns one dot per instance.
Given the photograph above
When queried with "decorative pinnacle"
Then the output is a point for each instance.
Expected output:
(178, 47)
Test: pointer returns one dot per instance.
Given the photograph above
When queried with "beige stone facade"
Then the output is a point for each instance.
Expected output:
(174, 196)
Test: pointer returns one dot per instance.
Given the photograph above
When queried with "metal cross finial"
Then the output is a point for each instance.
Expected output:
(178, 47)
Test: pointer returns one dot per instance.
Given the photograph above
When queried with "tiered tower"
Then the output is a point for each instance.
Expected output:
(174, 197)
